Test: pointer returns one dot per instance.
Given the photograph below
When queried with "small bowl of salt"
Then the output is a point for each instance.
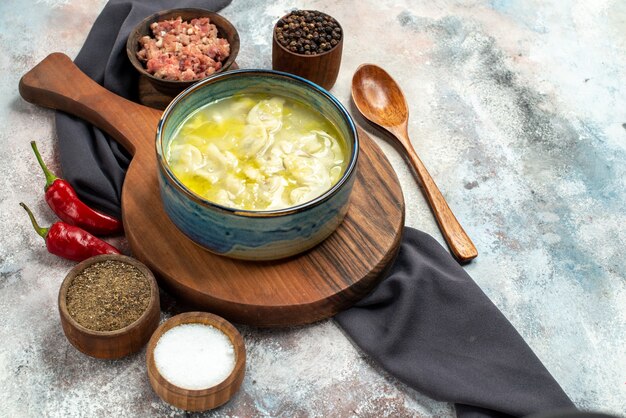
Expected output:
(196, 361)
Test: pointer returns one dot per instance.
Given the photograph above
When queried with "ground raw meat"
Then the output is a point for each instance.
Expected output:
(183, 50)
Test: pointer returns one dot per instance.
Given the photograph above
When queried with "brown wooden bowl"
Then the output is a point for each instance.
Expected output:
(322, 69)
(201, 399)
(225, 29)
(110, 344)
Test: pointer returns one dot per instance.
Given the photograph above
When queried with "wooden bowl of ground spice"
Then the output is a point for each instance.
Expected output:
(308, 43)
(109, 306)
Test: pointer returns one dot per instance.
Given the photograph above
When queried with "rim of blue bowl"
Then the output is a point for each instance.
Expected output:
(163, 164)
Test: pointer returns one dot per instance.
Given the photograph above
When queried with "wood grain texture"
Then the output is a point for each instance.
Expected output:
(322, 69)
(302, 289)
(203, 399)
(379, 98)
(110, 344)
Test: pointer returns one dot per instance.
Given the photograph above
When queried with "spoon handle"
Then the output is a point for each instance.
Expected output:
(459, 242)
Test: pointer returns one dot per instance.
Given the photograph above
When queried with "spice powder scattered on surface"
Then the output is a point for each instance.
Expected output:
(108, 296)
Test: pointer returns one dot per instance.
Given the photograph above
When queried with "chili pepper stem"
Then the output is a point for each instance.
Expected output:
(50, 177)
(41, 231)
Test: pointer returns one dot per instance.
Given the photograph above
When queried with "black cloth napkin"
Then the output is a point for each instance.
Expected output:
(93, 162)
(427, 323)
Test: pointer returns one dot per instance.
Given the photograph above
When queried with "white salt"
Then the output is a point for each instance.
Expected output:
(194, 356)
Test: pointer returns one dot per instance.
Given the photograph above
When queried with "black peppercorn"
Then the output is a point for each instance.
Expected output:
(308, 32)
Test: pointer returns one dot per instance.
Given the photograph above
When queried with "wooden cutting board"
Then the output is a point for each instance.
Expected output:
(298, 290)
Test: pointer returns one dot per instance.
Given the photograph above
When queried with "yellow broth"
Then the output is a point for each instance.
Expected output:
(257, 152)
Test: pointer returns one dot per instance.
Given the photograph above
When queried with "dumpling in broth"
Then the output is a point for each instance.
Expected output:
(257, 152)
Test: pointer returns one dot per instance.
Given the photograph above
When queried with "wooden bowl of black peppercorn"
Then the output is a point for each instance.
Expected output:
(308, 43)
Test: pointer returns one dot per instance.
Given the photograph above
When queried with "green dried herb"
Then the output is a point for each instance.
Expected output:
(108, 296)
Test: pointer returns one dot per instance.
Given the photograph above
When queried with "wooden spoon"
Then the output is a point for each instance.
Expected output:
(379, 98)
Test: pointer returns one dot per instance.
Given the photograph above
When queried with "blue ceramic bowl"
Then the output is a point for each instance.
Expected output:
(247, 234)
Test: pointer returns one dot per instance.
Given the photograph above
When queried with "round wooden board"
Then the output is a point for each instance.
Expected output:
(302, 289)
(298, 290)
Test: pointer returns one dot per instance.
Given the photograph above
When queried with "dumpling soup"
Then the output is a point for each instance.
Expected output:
(257, 152)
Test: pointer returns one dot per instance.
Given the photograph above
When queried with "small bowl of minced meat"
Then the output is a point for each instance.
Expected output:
(176, 48)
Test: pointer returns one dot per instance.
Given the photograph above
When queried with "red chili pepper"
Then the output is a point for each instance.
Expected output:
(64, 201)
(70, 241)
